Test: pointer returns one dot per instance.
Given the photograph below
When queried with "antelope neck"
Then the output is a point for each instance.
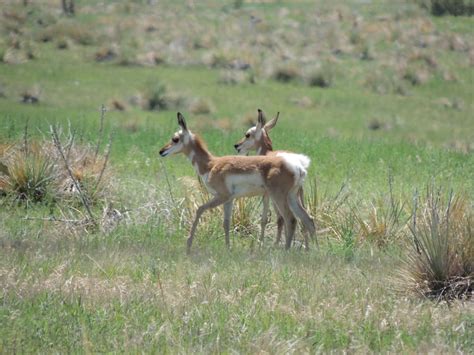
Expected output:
(199, 156)
(265, 145)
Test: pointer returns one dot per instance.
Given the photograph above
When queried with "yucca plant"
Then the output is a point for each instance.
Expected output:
(30, 174)
(441, 263)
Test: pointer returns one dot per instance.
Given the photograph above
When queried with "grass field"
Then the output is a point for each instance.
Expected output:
(379, 95)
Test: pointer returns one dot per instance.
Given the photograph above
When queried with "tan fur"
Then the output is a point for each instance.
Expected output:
(257, 139)
(229, 177)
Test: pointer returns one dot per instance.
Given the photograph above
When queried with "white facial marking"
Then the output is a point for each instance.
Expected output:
(249, 142)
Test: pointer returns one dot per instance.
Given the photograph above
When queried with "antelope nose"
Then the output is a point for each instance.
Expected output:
(236, 146)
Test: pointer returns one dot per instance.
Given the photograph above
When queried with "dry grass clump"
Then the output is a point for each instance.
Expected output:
(63, 43)
(304, 102)
(286, 73)
(232, 77)
(34, 172)
(117, 105)
(385, 223)
(416, 75)
(150, 58)
(245, 220)
(27, 173)
(384, 81)
(105, 54)
(440, 264)
(332, 213)
(51, 170)
(17, 50)
(322, 77)
(380, 222)
(220, 58)
(31, 95)
(89, 171)
(79, 33)
(201, 106)
(13, 20)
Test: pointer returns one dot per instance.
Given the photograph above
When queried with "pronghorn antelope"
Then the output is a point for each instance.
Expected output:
(257, 139)
(230, 177)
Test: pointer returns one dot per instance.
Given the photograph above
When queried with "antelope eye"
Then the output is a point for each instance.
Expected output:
(247, 135)
(175, 139)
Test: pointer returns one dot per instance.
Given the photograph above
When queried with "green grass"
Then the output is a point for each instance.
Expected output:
(70, 289)
(136, 290)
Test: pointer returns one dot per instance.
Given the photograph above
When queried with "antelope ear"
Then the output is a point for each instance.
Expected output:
(268, 126)
(261, 119)
(182, 121)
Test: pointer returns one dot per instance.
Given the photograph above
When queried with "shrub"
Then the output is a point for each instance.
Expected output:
(201, 106)
(385, 82)
(29, 173)
(440, 264)
(32, 171)
(105, 53)
(80, 34)
(218, 59)
(286, 73)
(31, 95)
(322, 77)
(232, 77)
(448, 7)
(62, 43)
(416, 75)
(157, 97)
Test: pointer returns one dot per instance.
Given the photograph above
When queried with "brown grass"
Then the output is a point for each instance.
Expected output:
(201, 106)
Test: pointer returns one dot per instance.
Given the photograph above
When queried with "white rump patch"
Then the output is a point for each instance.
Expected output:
(297, 163)
(245, 184)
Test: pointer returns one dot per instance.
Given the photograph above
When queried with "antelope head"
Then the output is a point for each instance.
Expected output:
(254, 137)
(179, 141)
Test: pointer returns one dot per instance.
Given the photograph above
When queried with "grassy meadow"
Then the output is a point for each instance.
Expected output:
(378, 94)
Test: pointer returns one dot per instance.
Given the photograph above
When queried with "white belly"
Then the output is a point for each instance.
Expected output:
(245, 185)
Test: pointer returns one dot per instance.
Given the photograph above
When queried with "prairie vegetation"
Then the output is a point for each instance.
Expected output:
(93, 223)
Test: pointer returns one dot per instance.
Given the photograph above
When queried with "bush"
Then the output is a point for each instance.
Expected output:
(286, 73)
(201, 106)
(322, 76)
(440, 264)
(157, 97)
(35, 171)
(449, 7)
(79, 33)
(29, 174)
